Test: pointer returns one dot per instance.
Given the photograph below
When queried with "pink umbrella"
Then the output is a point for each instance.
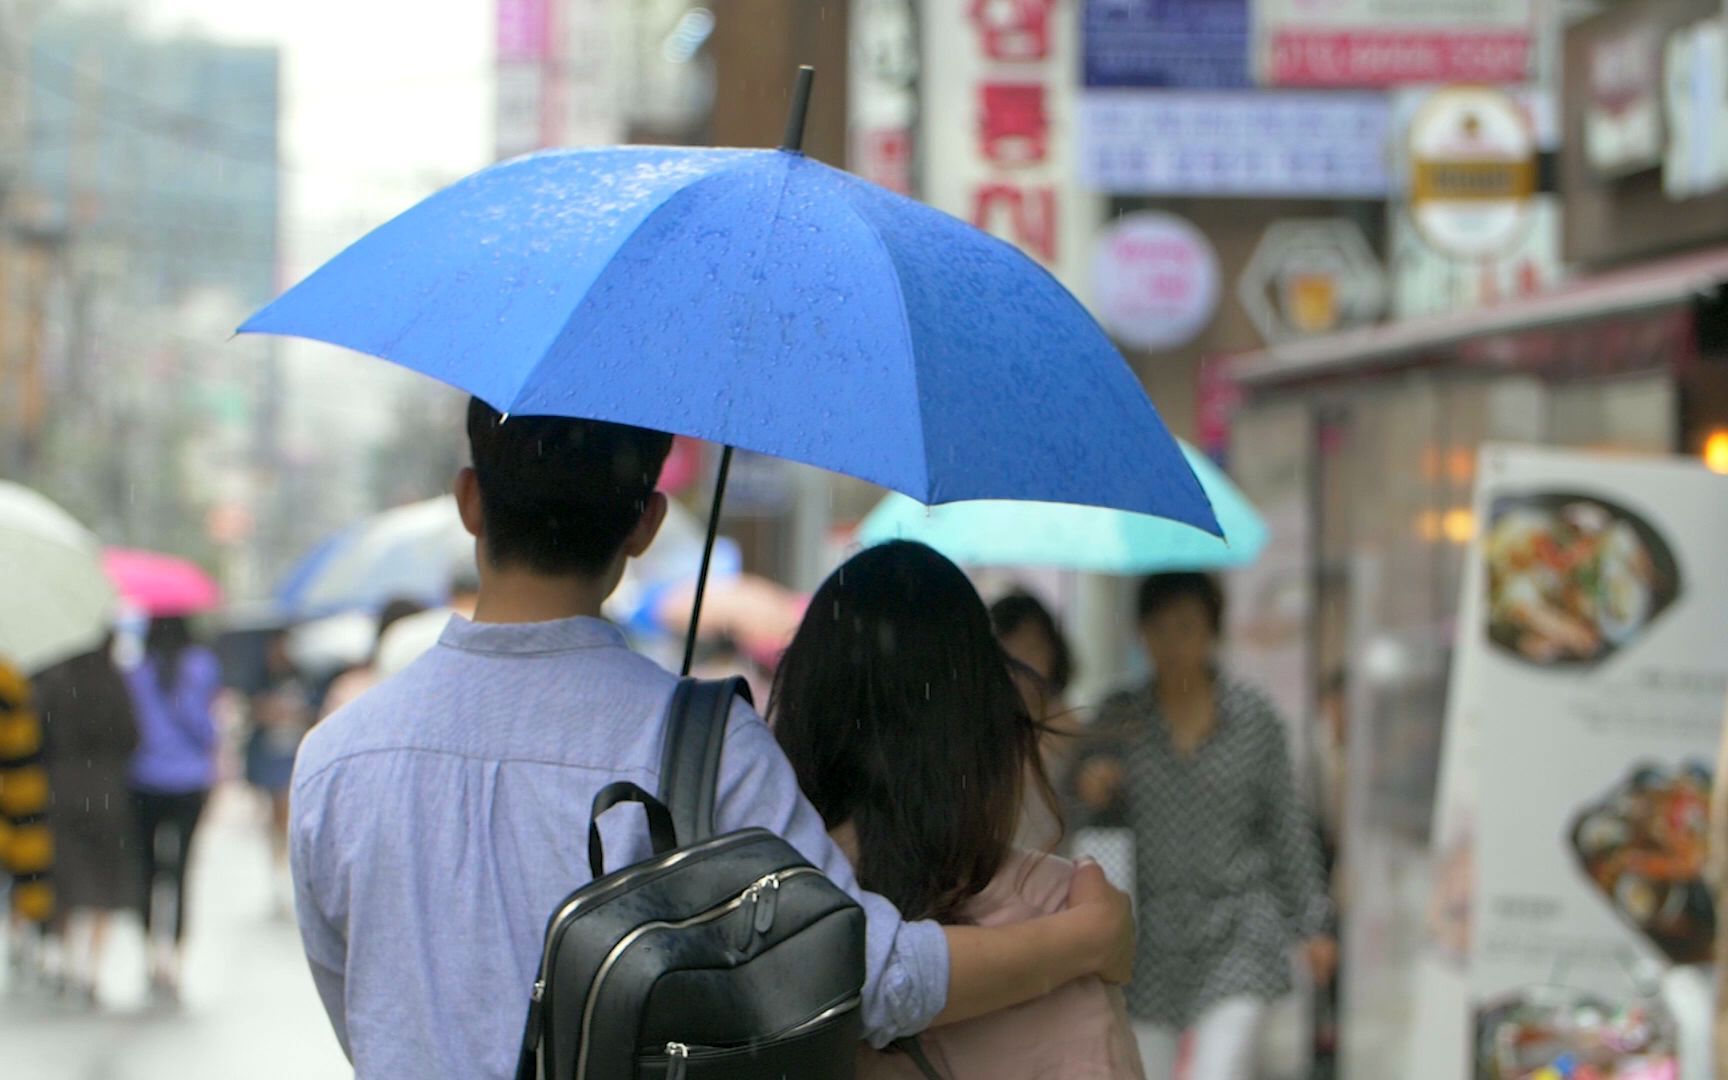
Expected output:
(160, 585)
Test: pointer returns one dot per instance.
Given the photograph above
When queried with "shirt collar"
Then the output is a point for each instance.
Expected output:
(530, 638)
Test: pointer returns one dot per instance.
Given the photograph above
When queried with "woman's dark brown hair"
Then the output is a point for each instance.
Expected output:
(896, 708)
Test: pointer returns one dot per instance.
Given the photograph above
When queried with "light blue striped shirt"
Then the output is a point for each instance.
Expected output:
(438, 819)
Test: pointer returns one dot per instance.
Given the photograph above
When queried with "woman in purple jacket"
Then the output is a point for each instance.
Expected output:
(173, 691)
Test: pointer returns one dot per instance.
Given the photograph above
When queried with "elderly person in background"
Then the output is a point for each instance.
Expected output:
(1228, 874)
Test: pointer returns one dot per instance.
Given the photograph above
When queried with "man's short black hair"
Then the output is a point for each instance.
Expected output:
(560, 496)
(1161, 590)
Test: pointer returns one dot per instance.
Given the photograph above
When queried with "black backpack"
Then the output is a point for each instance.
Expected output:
(716, 957)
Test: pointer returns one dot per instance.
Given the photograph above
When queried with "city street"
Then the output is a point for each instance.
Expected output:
(250, 1007)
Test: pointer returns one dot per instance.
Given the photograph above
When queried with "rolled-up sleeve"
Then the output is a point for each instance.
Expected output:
(906, 975)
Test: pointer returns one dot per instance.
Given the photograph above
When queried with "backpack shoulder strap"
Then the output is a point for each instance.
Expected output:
(690, 763)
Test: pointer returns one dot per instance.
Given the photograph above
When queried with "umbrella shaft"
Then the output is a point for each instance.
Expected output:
(707, 558)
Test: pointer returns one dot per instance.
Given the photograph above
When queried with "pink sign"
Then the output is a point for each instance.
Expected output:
(523, 29)
(1389, 57)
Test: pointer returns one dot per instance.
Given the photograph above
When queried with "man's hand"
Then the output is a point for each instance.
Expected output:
(1321, 953)
(1110, 918)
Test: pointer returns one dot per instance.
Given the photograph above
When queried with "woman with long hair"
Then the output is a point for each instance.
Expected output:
(174, 692)
(895, 705)
(1043, 668)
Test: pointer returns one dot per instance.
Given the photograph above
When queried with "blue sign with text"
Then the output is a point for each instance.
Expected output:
(1178, 44)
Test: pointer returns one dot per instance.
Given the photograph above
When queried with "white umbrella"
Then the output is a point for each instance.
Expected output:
(57, 602)
(414, 552)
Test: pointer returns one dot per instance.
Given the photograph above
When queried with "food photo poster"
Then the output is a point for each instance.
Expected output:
(1589, 696)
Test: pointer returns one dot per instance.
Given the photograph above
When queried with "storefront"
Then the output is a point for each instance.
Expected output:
(1377, 431)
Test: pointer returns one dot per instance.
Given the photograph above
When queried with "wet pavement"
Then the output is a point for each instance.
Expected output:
(249, 1010)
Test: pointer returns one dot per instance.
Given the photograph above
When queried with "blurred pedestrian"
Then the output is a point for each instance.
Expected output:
(896, 708)
(26, 845)
(1044, 669)
(89, 738)
(1228, 870)
(362, 677)
(174, 691)
(279, 715)
(412, 637)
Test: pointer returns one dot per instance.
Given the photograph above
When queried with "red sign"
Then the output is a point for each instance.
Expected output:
(1013, 30)
(884, 156)
(1013, 123)
(1393, 57)
(1014, 128)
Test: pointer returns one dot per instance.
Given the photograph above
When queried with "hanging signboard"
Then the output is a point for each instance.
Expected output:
(1623, 112)
(1472, 171)
(996, 125)
(1180, 44)
(1695, 98)
(1381, 43)
(1249, 143)
(1589, 685)
(1311, 277)
(1155, 280)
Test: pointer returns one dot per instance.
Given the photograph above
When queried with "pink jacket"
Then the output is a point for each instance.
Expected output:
(1076, 1032)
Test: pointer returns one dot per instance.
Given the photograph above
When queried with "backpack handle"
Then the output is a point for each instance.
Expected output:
(660, 830)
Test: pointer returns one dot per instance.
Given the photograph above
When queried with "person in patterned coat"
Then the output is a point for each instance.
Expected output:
(1228, 877)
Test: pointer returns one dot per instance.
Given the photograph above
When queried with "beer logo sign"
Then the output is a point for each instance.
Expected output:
(1472, 171)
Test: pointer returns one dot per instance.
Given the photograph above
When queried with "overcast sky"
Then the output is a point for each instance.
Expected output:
(384, 101)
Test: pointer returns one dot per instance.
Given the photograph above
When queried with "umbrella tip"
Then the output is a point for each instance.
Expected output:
(794, 140)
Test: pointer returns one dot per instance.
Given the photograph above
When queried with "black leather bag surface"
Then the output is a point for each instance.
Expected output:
(717, 957)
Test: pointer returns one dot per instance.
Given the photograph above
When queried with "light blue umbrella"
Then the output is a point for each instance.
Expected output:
(997, 532)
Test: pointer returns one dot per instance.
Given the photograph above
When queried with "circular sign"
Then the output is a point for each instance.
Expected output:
(1472, 171)
(1155, 280)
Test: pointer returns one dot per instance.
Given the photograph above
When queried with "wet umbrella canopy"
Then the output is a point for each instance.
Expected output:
(756, 299)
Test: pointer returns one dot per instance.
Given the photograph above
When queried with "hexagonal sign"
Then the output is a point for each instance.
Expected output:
(1311, 277)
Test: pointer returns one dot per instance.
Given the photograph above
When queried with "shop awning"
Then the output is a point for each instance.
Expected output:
(1649, 288)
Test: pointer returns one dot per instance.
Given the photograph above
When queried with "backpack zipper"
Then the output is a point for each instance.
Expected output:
(677, 1060)
(753, 890)
(679, 1054)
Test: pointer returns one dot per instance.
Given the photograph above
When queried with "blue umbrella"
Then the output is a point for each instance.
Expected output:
(1001, 533)
(757, 299)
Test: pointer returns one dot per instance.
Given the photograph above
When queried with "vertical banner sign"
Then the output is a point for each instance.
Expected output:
(588, 112)
(997, 130)
(882, 97)
(1383, 43)
(555, 85)
(524, 46)
(1590, 684)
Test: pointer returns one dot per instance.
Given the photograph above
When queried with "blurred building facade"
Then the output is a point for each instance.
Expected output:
(141, 224)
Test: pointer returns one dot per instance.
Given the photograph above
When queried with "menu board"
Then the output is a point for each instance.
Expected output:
(1593, 667)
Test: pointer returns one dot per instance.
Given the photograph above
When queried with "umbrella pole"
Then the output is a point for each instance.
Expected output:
(707, 559)
(793, 141)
